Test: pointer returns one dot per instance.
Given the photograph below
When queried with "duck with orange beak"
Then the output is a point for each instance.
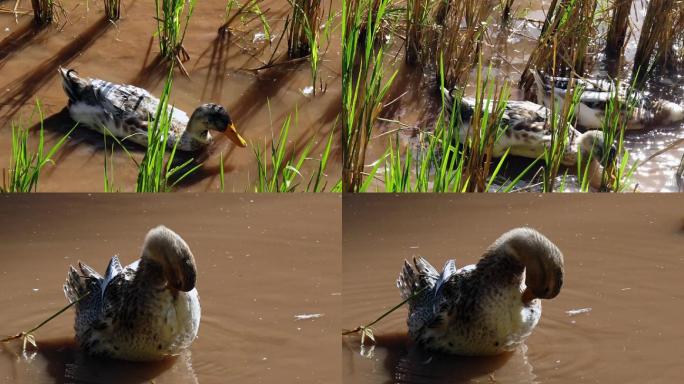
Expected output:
(126, 112)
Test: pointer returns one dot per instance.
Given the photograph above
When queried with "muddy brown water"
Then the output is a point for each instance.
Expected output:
(623, 260)
(415, 102)
(125, 52)
(262, 260)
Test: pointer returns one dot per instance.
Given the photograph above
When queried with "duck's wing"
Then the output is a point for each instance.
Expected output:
(134, 107)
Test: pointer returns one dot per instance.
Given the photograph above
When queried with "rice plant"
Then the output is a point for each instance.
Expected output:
(563, 48)
(661, 30)
(363, 84)
(43, 11)
(460, 41)
(279, 172)
(617, 32)
(171, 28)
(154, 174)
(560, 126)
(417, 17)
(303, 28)
(25, 164)
(112, 9)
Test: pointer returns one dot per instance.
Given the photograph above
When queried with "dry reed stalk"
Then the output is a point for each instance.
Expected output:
(563, 48)
(460, 46)
(617, 32)
(417, 13)
(661, 29)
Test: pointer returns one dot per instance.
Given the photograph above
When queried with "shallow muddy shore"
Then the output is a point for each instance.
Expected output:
(623, 268)
(221, 71)
(261, 260)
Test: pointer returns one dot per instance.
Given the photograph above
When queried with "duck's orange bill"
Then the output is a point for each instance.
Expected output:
(234, 136)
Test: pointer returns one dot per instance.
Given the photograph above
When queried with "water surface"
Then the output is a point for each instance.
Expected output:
(262, 261)
(623, 260)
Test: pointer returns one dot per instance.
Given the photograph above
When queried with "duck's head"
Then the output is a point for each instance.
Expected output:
(543, 261)
(213, 117)
(593, 144)
(168, 250)
(593, 148)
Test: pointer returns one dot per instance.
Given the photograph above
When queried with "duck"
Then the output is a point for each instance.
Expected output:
(127, 112)
(146, 311)
(527, 132)
(488, 308)
(596, 96)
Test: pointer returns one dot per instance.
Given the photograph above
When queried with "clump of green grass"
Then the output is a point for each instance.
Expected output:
(280, 173)
(112, 9)
(363, 84)
(154, 173)
(25, 165)
(304, 24)
(43, 11)
(171, 28)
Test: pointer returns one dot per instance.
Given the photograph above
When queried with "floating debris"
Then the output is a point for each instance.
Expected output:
(575, 312)
(308, 91)
(308, 316)
(259, 36)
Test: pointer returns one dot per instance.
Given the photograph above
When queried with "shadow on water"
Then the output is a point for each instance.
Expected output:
(405, 362)
(25, 87)
(153, 72)
(18, 40)
(65, 363)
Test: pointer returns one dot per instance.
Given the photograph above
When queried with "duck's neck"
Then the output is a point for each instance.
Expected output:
(196, 133)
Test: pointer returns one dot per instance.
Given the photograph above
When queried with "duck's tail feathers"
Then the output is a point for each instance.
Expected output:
(414, 278)
(73, 85)
(78, 284)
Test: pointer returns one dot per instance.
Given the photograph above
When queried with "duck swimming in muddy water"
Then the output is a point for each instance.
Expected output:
(595, 99)
(127, 112)
(483, 309)
(144, 312)
(527, 133)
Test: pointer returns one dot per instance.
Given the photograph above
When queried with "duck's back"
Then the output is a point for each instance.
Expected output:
(477, 311)
(123, 110)
(122, 318)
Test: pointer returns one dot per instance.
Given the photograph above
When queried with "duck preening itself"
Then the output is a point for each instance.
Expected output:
(127, 112)
(487, 308)
(637, 110)
(146, 311)
(527, 132)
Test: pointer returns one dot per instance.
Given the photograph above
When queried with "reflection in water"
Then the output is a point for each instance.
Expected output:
(61, 360)
(406, 362)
